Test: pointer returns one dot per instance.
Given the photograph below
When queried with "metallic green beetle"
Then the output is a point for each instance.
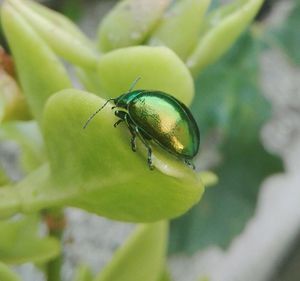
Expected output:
(157, 116)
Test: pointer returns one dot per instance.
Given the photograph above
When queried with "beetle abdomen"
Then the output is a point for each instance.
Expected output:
(167, 121)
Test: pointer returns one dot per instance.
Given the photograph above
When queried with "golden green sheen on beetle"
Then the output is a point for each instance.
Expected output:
(159, 117)
(167, 121)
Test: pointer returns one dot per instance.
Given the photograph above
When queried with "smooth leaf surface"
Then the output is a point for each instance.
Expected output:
(230, 101)
(90, 169)
(180, 26)
(166, 276)
(83, 273)
(58, 19)
(12, 102)
(4, 179)
(142, 257)
(6, 274)
(221, 29)
(30, 53)
(99, 157)
(35, 192)
(90, 80)
(20, 243)
(9, 201)
(60, 34)
(129, 23)
(158, 67)
(28, 137)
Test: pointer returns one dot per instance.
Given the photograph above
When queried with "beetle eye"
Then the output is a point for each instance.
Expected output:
(118, 100)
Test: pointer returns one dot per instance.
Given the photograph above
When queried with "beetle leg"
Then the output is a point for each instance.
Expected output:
(133, 134)
(132, 141)
(121, 114)
(190, 164)
(133, 138)
(118, 122)
(124, 117)
(149, 159)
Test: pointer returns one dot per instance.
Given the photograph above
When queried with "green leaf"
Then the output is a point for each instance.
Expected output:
(226, 207)
(35, 192)
(287, 34)
(90, 80)
(180, 26)
(12, 102)
(40, 72)
(118, 69)
(165, 276)
(221, 29)
(90, 168)
(230, 102)
(9, 201)
(129, 23)
(204, 279)
(28, 137)
(229, 97)
(6, 274)
(59, 33)
(58, 19)
(100, 155)
(83, 273)
(4, 179)
(208, 178)
(142, 257)
(20, 243)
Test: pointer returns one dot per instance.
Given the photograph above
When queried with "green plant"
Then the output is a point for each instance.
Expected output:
(88, 169)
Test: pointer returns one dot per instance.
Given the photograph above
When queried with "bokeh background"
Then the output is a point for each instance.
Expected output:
(247, 227)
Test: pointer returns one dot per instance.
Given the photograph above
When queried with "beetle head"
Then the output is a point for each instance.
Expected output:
(121, 101)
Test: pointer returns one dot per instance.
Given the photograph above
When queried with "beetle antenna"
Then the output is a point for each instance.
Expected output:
(134, 83)
(96, 112)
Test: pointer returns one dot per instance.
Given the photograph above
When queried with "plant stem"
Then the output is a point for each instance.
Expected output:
(55, 221)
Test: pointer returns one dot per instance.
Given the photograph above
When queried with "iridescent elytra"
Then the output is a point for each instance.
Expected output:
(157, 116)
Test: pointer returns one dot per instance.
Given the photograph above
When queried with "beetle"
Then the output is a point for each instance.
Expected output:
(157, 116)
